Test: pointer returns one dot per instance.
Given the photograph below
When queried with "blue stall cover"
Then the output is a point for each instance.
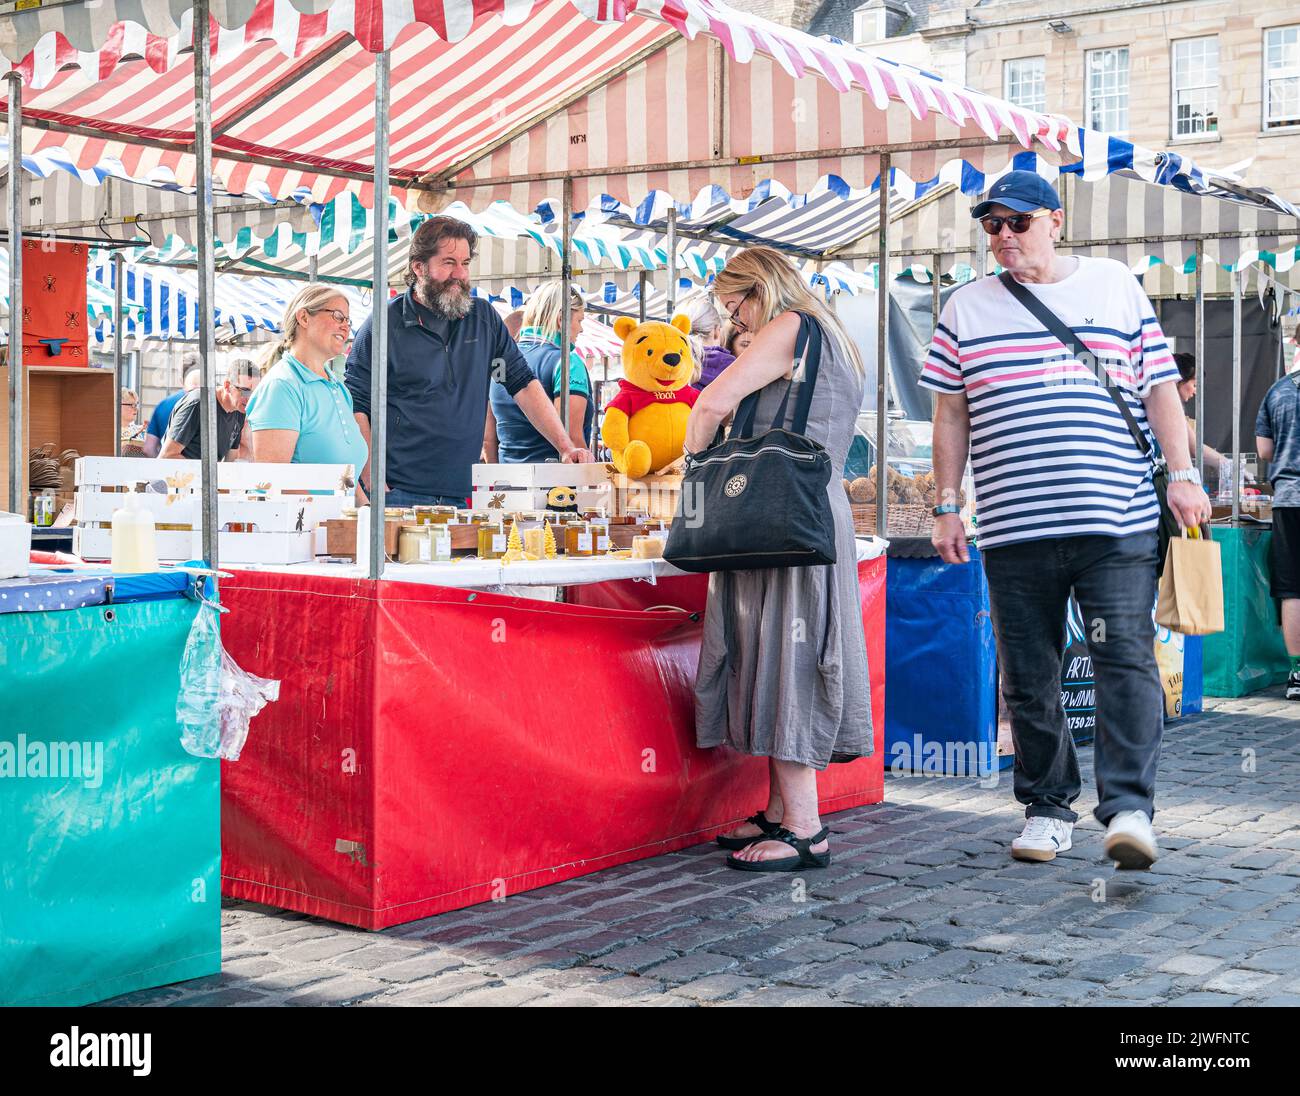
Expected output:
(47, 589)
(940, 662)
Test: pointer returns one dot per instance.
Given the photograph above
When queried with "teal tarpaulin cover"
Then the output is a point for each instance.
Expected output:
(1249, 654)
(110, 858)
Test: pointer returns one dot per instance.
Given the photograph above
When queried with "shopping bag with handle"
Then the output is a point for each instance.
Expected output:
(1191, 587)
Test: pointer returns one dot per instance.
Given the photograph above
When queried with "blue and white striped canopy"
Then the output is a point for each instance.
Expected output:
(169, 296)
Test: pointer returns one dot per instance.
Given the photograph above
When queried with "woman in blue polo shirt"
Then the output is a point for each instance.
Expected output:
(518, 441)
(301, 413)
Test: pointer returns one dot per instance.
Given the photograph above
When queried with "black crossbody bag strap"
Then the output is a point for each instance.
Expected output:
(808, 353)
(1069, 339)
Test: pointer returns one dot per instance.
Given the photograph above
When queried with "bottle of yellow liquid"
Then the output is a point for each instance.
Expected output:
(135, 549)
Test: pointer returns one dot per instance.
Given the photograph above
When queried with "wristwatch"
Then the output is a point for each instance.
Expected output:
(946, 508)
(1185, 475)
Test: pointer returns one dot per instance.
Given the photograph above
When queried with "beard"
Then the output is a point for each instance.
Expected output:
(448, 300)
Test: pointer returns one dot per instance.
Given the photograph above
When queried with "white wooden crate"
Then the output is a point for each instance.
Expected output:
(287, 521)
(512, 487)
(512, 499)
(134, 473)
(546, 476)
(96, 543)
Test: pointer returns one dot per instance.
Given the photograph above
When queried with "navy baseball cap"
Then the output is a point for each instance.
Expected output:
(1023, 191)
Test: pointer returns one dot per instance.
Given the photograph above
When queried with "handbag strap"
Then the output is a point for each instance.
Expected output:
(808, 351)
(1067, 337)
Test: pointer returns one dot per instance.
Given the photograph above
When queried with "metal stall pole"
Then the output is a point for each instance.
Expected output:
(17, 463)
(1198, 347)
(566, 281)
(312, 264)
(1280, 368)
(882, 352)
(1236, 395)
(117, 355)
(672, 261)
(379, 325)
(981, 252)
(206, 272)
(936, 294)
(641, 286)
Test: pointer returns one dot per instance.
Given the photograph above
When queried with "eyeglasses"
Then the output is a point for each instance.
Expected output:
(337, 316)
(734, 316)
(1017, 222)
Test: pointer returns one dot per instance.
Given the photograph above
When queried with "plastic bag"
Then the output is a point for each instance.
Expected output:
(217, 699)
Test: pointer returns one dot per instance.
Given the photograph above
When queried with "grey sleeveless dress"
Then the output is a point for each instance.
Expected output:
(783, 665)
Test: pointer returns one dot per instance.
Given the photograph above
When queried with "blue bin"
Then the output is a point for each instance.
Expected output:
(940, 665)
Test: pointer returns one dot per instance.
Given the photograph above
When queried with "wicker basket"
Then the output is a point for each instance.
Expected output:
(905, 519)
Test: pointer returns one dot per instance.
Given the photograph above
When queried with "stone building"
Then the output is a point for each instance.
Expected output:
(1218, 80)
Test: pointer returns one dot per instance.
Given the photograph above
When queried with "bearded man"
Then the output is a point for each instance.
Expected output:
(444, 348)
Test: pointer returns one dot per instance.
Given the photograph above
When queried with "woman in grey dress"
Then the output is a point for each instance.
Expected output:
(783, 667)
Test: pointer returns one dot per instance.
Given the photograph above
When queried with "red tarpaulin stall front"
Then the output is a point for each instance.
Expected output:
(434, 747)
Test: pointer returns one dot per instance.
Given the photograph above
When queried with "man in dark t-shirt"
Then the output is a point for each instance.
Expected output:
(183, 431)
(1277, 439)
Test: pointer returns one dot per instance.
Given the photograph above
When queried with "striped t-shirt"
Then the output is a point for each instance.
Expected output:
(1050, 451)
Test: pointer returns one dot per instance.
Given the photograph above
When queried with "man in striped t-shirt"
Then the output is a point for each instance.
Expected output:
(1064, 502)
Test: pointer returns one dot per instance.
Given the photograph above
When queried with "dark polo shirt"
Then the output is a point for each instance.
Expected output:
(439, 373)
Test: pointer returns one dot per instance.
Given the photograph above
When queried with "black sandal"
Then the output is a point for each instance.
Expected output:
(802, 845)
(762, 822)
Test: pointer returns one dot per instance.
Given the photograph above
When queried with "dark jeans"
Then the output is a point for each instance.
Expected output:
(399, 497)
(1114, 581)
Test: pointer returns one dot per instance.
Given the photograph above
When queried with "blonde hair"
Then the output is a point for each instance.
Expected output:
(313, 298)
(545, 308)
(771, 280)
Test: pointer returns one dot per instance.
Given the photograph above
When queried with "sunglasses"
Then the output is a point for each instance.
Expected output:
(734, 316)
(1017, 222)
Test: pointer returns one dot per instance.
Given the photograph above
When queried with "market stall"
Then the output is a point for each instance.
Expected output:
(437, 746)
(109, 872)
(612, 113)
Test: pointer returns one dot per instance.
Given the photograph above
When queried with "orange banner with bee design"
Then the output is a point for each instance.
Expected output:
(54, 303)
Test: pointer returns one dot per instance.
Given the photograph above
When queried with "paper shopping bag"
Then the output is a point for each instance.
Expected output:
(1191, 587)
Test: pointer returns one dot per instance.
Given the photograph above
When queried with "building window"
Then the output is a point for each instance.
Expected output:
(1024, 83)
(1282, 77)
(869, 25)
(1196, 86)
(1107, 71)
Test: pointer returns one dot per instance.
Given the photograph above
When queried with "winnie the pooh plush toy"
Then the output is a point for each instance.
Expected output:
(645, 424)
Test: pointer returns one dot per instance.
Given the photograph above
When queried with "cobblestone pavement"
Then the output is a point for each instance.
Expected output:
(921, 906)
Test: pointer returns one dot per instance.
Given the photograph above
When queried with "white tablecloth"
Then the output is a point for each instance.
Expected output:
(489, 574)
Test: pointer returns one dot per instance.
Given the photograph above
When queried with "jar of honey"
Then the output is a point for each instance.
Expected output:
(440, 542)
(442, 515)
(423, 515)
(600, 535)
(647, 548)
(577, 539)
(491, 541)
(413, 544)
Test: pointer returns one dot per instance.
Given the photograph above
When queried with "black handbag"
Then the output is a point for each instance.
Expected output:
(750, 502)
(1167, 526)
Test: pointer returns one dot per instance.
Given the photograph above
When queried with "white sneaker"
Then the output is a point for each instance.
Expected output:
(1042, 838)
(1130, 840)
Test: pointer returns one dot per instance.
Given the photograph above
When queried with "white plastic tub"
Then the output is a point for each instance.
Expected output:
(15, 545)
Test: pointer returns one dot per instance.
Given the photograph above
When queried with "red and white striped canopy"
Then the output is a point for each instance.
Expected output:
(495, 98)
